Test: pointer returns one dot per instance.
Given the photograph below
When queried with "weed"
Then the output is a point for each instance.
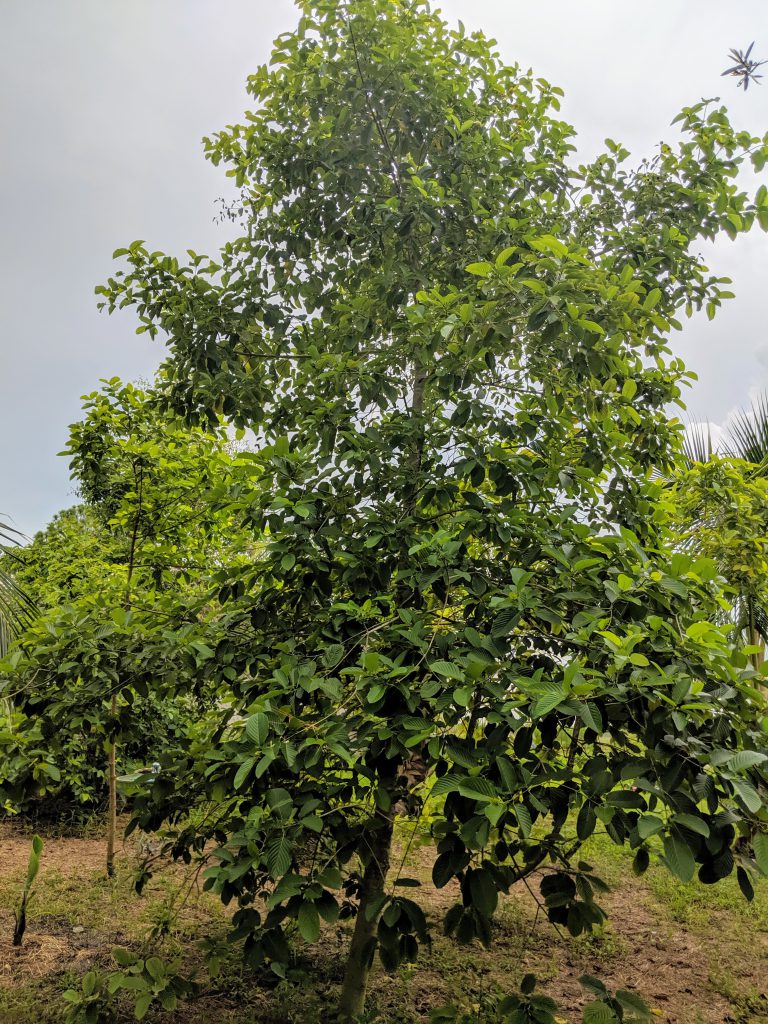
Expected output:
(32, 869)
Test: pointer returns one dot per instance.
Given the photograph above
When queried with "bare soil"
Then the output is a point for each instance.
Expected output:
(77, 917)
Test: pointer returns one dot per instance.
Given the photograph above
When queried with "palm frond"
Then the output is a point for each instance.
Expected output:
(9, 534)
(760, 621)
(743, 68)
(697, 443)
(747, 433)
(16, 606)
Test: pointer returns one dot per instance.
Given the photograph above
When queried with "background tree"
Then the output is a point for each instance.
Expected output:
(52, 760)
(116, 579)
(719, 508)
(451, 345)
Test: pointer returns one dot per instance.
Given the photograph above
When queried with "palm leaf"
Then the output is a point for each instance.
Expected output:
(697, 443)
(747, 433)
(16, 607)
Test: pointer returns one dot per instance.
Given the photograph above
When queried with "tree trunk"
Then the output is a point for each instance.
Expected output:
(138, 473)
(363, 946)
(112, 783)
(754, 637)
(758, 657)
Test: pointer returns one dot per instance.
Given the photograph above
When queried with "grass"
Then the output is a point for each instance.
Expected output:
(698, 954)
(692, 904)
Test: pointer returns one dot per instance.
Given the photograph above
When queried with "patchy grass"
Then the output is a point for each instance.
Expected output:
(698, 954)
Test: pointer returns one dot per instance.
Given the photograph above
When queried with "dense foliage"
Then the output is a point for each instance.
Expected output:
(718, 508)
(118, 584)
(720, 511)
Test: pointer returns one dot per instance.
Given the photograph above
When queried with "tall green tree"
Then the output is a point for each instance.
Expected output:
(144, 475)
(122, 582)
(451, 345)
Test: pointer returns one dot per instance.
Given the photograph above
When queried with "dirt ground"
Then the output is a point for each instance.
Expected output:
(50, 944)
(712, 969)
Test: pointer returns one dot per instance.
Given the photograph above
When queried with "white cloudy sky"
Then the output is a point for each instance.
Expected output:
(102, 107)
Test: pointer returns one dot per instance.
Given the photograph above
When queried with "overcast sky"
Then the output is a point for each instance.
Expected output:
(102, 107)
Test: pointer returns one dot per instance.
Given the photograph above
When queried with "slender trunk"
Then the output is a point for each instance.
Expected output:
(112, 783)
(363, 946)
(415, 767)
(758, 657)
(112, 764)
(755, 640)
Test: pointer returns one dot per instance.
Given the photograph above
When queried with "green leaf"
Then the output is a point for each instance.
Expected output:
(443, 870)
(280, 801)
(598, 1012)
(124, 957)
(462, 695)
(632, 1001)
(593, 985)
(482, 890)
(309, 922)
(641, 861)
(586, 822)
(678, 858)
(142, 1005)
(446, 668)
(481, 269)
(745, 759)
(332, 655)
(504, 255)
(243, 772)
(749, 795)
(591, 717)
(745, 884)
(504, 622)
(652, 299)
(649, 825)
(548, 243)
(448, 783)
(155, 967)
(760, 847)
(168, 999)
(477, 788)
(279, 856)
(523, 816)
(528, 984)
(693, 823)
(675, 586)
(257, 728)
(554, 694)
